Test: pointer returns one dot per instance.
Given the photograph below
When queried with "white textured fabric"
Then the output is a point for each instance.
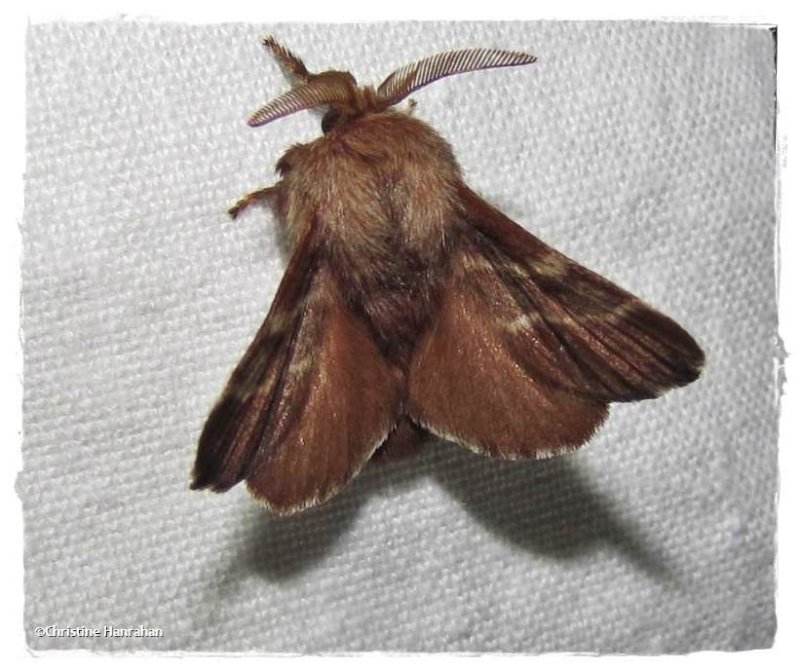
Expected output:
(642, 150)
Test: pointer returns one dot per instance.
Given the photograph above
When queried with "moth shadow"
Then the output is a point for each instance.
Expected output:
(282, 548)
(547, 507)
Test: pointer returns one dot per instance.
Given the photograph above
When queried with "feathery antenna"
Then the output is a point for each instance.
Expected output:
(410, 78)
(339, 90)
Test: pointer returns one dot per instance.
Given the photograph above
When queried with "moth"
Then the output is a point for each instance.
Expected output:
(412, 308)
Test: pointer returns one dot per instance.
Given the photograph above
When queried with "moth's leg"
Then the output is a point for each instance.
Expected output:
(250, 198)
(411, 105)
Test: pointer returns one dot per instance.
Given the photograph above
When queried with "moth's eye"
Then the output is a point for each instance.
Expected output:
(329, 120)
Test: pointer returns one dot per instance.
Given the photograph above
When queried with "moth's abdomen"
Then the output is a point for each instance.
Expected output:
(382, 192)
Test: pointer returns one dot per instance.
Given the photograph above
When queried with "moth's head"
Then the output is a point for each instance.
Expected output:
(342, 97)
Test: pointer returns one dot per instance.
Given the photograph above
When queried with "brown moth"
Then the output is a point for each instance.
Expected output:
(412, 307)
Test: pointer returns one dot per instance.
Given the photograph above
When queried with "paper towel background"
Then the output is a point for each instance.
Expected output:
(643, 150)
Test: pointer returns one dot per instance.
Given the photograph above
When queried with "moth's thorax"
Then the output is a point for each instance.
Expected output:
(379, 175)
(381, 194)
